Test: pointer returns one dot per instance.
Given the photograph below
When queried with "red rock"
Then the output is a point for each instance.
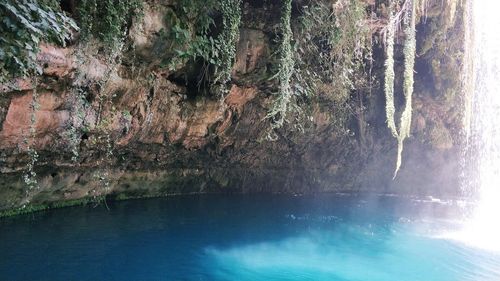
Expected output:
(238, 97)
(17, 123)
(55, 61)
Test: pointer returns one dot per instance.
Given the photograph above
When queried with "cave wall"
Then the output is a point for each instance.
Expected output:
(168, 137)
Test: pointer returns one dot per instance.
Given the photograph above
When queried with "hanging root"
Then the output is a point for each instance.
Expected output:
(389, 73)
(409, 22)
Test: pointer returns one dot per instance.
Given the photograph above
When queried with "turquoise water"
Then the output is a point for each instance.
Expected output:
(272, 237)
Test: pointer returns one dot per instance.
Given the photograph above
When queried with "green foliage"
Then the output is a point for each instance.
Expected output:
(191, 38)
(107, 20)
(281, 105)
(409, 23)
(325, 60)
(227, 40)
(189, 33)
(23, 25)
(333, 51)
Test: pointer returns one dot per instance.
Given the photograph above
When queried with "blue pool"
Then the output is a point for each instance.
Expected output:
(245, 237)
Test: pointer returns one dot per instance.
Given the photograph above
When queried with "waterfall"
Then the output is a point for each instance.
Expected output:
(483, 156)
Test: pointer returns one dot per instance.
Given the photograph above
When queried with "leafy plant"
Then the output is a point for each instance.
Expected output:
(227, 40)
(189, 34)
(333, 49)
(107, 20)
(192, 37)
(281, 105)
(23, 25)
(325, 60)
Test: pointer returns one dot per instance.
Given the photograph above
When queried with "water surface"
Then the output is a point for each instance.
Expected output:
(264, 237)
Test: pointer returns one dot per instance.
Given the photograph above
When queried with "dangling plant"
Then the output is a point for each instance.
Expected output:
(333, 46)
(103, 123)
(76, 127)
(409, 22)
(389, 72)
(227, 40)
(189, 36)
(281, 105)
(107, 20)
(191, 40)
(30, 174)
(23, 25)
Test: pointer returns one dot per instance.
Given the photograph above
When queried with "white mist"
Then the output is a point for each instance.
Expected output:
(483, 227)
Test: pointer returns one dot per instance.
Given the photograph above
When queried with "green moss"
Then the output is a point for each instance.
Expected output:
(41, 207)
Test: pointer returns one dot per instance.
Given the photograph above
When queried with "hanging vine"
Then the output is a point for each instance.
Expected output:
(409, 22)
(389, 72)
(333, 46)
(103, 123)
(106, 20)
(231, 19)
(30, 174)
(281, 105)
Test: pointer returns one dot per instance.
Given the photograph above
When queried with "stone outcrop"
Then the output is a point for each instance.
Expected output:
(166, 140)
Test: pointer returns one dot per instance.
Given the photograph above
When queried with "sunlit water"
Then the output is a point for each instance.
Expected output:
(268, 237)
(483, 227)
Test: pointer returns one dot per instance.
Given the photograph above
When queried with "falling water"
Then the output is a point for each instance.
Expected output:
(483, 227)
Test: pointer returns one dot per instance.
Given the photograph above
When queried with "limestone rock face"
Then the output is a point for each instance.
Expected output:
(149, 130)
(49, 119)
(55, 61)
(251, 53)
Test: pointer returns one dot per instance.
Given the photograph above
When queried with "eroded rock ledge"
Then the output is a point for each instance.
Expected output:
(167, 139)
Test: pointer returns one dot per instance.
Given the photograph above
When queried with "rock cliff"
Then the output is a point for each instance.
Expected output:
(148, 130)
